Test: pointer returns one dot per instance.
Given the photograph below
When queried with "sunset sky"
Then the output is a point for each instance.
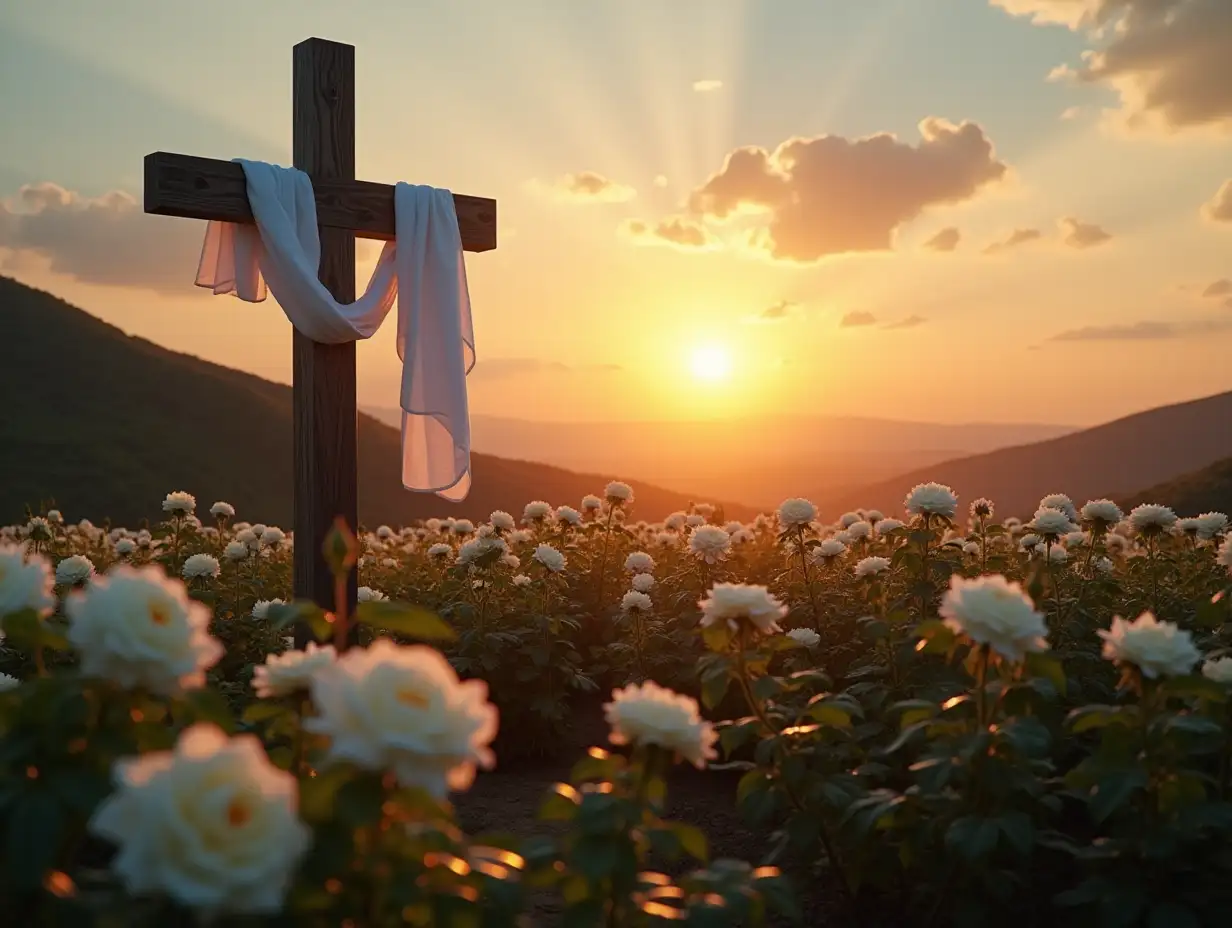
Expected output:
(945, 210)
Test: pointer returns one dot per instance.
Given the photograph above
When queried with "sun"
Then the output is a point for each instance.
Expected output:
(711, 363)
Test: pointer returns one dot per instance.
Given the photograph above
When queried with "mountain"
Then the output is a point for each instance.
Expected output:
(761, 461)
(1205, 490)
(1140, 450)
(107, 424)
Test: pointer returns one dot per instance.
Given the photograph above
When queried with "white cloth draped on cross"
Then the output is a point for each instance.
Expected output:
(423, 267)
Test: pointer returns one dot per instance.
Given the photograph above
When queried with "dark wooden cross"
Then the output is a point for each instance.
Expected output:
(325, 412)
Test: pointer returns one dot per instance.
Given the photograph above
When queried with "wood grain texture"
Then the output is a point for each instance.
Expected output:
(206, 188)
(323, 384)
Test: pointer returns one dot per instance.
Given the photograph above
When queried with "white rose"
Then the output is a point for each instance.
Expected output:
(732, 603)
(1158, 649)
(805, 636)
(633, 601)
(796, 512)
(931, 499)
(643, 583)
(1219, 669)
(200, 566)
(212, 825)
(136, 627)
(403, 708)
(872, 566)
(651, 714)
(291, 671)
(995, 612)
(25, 584)
(550, 558)
(74, 570)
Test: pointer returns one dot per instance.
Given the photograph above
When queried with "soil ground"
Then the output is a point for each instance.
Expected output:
(507, 800)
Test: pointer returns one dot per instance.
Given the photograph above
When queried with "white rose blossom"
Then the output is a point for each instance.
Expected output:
(931, 499)
(992, 611)
(805, 637)
(550, 558)
(179, 503)
(1218, 669)
(200, 566)
(649, 714)
(1158, 649)
(734, 603)
(138, 628)
(292, 671)
(74, 570)
(796, 513)
(403, 709)
(25, 583)
(212, 825)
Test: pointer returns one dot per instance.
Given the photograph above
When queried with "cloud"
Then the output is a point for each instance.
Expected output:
(585, 187)
(660, 180)
(1015, 239)
(502, 368)
(1070, 113)
(945, 240)
(1169, 60)
(910, 322)
(1218, 288)
(857, 319)
(781, 311)
(675, 231)
(708, 85)
(1220, 208)
(829, 195)
(1147, 330)
(1080, 235)
(104, 240)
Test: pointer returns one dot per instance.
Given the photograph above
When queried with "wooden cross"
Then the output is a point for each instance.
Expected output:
(325, 412)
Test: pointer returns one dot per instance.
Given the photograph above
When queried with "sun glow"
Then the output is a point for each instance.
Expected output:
(711, 363)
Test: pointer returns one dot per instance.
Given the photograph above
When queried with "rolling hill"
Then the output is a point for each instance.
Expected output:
(1141, 450)
(764, 459)
(1205, 490)
(107, 424)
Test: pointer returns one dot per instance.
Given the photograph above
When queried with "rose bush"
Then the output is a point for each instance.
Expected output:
(942, 723)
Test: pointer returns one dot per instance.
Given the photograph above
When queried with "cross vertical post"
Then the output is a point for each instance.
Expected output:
(323, 376)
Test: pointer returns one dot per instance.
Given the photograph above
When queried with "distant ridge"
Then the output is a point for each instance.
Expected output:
(1205, 490)
(107, 424)
(1141, 450)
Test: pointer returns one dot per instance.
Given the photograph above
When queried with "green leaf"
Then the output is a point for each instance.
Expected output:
(36, 828)
(829, 714)
(1048, 667)
(209, 705)
(1195, 686)
(1019, 830)
(1089, 718)
(972, 837)
(404, 619)
(717, 637)
(692, 839)
(560, 805)
(1113, 791)
(750, 783)
(263, 710)
(285, 615)
(1172, 915)
(714, 688)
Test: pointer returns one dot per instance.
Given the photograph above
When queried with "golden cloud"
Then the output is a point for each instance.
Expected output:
(829, 195)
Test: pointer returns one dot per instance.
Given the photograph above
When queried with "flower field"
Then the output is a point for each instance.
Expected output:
(944, 718)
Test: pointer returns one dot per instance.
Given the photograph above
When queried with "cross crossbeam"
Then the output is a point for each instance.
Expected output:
(206, 188)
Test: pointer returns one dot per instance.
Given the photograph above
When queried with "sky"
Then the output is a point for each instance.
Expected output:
(936, 210)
